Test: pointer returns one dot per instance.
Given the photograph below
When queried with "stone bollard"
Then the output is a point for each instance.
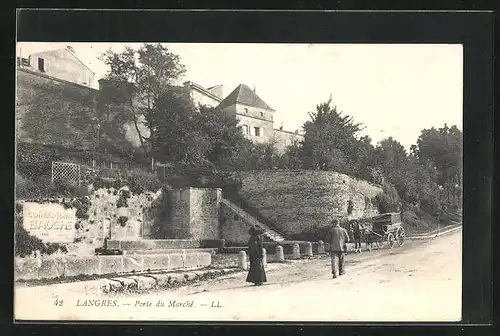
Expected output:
(309, 250)
(280, 256)
(264, 257)
(296, 251)
(38, 257)
(242, 260)
(321, 247)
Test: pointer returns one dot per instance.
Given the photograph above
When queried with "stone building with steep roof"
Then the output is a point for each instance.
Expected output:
(256, 117)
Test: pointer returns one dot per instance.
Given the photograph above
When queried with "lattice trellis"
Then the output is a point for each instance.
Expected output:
(64, 172)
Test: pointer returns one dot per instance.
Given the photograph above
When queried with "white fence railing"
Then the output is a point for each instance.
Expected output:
(66, 173)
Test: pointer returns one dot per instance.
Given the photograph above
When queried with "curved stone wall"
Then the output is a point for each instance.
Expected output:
(299, 201)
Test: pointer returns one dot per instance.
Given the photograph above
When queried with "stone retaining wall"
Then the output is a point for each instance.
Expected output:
(153, 244)
(300, 201)
(72, 266)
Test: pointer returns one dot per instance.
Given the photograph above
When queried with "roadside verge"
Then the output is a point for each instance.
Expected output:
(437, 233)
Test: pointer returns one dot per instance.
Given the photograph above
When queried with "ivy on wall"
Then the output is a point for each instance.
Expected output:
(55, 112)
(26, 244)
(52, 112)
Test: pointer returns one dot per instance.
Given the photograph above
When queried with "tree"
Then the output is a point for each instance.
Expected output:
(364, 159)
(330, 140)
(263, 156)
(290, 159)
(391, 158)
(153, 69)
(442, 149)
(227, 146)
(179, 138)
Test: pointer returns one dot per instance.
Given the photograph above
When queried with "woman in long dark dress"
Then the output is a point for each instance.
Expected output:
(256, 273)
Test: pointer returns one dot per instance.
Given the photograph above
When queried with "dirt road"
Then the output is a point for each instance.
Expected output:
(420, 281)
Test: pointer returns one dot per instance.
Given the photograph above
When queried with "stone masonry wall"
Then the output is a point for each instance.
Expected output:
(298, 201)
(103, 212)
(178, 226)
(233, 229)
(67, 111)
(194, 214)
(204, 221)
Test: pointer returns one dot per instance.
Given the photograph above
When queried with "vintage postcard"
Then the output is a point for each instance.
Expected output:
(238, 182)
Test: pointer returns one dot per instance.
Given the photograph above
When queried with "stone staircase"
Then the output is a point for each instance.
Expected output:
(270, 233)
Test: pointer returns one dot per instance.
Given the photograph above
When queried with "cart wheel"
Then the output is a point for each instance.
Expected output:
(391, 240)
(400, 236)
(380, 243)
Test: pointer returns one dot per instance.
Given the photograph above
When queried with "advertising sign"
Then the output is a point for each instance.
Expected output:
(50, 222)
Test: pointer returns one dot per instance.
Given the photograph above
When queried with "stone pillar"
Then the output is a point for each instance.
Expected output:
(242, 260)
(280, 256)
(264, 257)
(296, 251)
(38, 258)
(321, 247)
(309, 250)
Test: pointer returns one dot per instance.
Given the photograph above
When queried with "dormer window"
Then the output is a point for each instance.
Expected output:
(41, 64)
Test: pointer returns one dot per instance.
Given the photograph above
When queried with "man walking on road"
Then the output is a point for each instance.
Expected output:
(338, 248)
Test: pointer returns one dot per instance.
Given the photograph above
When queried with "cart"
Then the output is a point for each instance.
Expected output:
(387, 228)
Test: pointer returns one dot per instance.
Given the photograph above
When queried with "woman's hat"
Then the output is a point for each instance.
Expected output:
(254, 230)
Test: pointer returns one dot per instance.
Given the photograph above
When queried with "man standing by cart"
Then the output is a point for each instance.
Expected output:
(338, 248)
(367, 233)
(356, 234)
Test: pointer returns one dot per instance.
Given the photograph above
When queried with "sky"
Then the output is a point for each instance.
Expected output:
(393, 90)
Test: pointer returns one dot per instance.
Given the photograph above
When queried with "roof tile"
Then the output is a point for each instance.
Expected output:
(246, 96)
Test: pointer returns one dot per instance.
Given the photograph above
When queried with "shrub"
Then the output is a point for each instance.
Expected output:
(82, 206)
(415, 223)
(140, 181)
(122, 220)
(26, 244)
(42, 187)
(28, 188)
(431, 205)
(388, 200)
(64, 189)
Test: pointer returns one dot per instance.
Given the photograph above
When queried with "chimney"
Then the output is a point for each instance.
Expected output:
(254, 89)
(281, 127)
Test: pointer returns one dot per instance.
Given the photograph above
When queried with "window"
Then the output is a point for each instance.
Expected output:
(246, 129)
(261, 114)
(41, 64)
(257, 131)
(246, 111)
